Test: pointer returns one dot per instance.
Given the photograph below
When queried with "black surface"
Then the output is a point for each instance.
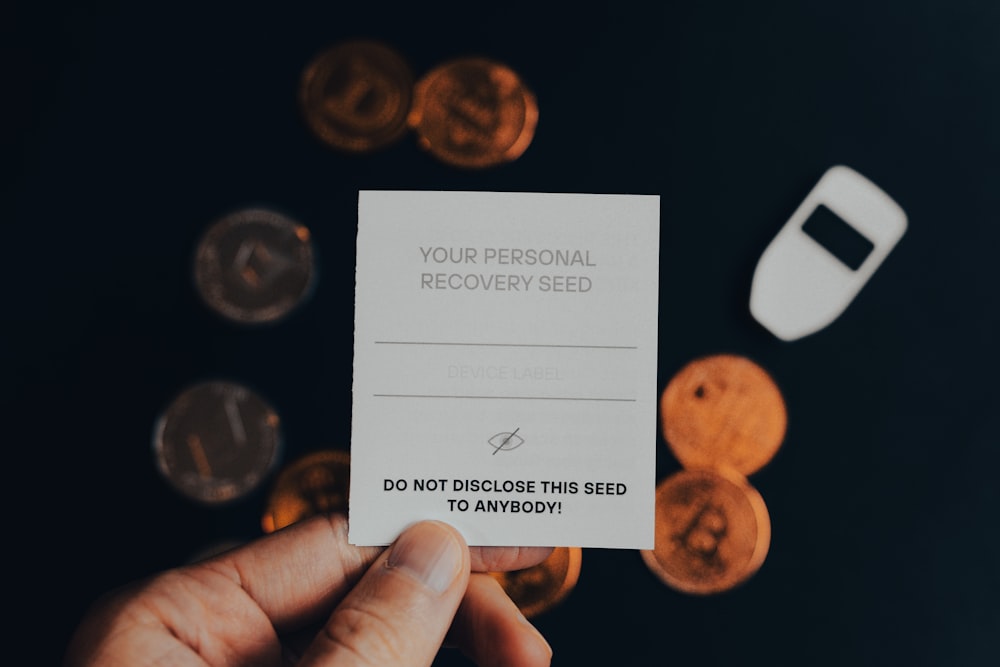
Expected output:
(132, 129)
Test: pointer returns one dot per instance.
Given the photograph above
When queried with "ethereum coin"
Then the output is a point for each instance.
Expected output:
(217, 441)
(723, 410)
(541, 587)
(317, 483)
(474, 113)
(712, 531)
(254, 266)
(356, 95)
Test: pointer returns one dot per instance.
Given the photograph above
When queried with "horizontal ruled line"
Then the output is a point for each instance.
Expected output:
(509, 398)
(586, 347)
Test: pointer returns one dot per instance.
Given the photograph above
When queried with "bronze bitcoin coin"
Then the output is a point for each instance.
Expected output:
(712, 531)
(539, 588)
(723, 410)
(254, 266)
(217, 441)
(473, 113)
(356, 95)
(317, 483)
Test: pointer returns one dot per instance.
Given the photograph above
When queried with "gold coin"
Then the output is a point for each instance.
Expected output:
(356, 95)
(473, 113)
(723, 410)
(317, 483)
(712, 531)
(539, 588)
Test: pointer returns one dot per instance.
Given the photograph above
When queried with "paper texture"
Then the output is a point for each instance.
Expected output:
(505, 367)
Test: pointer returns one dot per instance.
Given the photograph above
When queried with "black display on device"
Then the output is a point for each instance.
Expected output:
(839, 238)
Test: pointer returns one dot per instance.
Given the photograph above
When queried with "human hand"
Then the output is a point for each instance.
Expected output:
(388, 607)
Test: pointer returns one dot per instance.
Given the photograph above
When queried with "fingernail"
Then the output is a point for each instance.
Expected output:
(537, 634)
(430, 553)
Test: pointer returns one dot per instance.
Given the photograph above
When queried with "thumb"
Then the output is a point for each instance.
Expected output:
(400, 611)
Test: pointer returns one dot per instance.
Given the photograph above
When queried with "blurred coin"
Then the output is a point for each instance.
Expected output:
(254, 266)
(217, 441)
(539, 588)
(712, 531)
(473, 112)
(723, 410)
(317, 483)
(356, 95)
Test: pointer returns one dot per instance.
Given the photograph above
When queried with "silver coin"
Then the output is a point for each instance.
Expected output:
(217, 441)
(254, 266)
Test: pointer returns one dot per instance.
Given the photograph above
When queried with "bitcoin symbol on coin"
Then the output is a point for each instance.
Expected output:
(712, 531)
(702, 536)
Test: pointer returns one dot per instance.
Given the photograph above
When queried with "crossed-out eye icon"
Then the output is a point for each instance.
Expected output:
(506, 441)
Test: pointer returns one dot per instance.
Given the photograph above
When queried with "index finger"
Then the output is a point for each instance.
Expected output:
(298, 573)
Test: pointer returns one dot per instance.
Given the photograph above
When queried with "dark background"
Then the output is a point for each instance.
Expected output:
(129, 130)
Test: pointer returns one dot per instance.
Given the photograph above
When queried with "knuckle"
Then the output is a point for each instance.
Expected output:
(503, 559)
(365, 634)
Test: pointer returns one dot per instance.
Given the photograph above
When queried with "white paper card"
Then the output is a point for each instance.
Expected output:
(505, 367)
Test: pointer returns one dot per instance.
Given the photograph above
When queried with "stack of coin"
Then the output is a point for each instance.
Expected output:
(541, 587)
(316, 483)
(723, 418)
(218, 440)
(472, 112)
